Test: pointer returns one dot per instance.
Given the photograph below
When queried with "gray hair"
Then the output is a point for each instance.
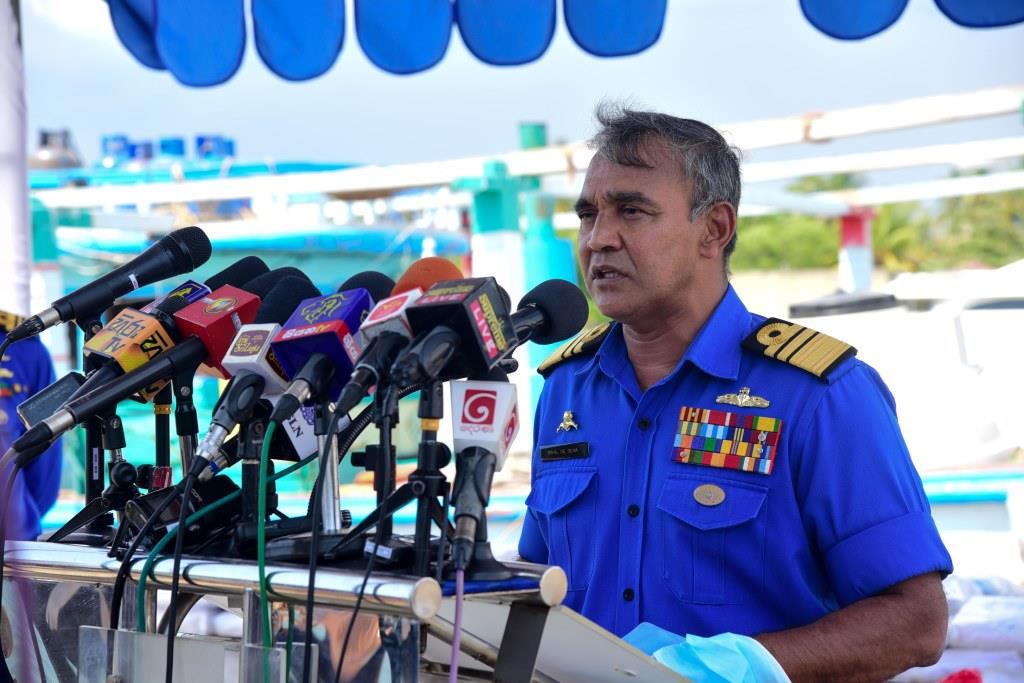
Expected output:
(707, 161)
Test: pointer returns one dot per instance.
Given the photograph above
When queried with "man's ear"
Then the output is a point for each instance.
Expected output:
(718, 227)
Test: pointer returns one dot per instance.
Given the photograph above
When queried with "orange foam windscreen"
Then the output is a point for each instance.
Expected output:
(425, 273)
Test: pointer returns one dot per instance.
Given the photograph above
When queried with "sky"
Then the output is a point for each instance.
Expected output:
(717, 60)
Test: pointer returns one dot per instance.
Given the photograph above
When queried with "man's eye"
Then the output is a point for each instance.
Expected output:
(585, 215)
(631, 211)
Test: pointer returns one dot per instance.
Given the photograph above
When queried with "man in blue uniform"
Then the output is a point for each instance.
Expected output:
(26, 368)
(706, 470)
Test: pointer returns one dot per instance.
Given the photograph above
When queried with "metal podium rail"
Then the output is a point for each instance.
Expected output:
(56, 619)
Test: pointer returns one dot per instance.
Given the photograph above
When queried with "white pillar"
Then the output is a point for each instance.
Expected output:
(856, 257)
(15, 232)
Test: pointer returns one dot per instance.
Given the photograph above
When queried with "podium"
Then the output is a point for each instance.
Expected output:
(57, 601)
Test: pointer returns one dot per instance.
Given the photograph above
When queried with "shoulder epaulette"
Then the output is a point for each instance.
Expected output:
(584, 342)
(802, 347)
(8, 321)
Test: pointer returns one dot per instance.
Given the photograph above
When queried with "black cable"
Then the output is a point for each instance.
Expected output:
(124, 570)
(385, 451)
(314, 546)
(4, 345)
(172, 608)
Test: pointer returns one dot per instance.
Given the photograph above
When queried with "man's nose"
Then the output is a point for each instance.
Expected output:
(605, 234)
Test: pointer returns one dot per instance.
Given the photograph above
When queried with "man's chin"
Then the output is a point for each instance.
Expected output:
(617, 309)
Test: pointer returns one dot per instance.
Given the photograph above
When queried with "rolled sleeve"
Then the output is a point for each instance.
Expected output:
(861, 498)
(884, 555)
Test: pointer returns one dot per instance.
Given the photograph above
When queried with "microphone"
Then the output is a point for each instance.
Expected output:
(486, 420)
(261, 283)
(386, 330)
(215, 319)
(181, 251)
(317, 346)
(109, 341)
(552, 311)
(207, 328)
(131, 339)
(468, 315)
(190, 290)
(238, 273)
(254, 369)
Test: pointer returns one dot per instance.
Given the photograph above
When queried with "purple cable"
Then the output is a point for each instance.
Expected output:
(453, 671)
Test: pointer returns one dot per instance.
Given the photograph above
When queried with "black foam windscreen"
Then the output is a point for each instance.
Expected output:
(262, 284)
(377, 284)
(195, 246)
(564, 307)
(283, 298)
(238, 273)
(172, 304)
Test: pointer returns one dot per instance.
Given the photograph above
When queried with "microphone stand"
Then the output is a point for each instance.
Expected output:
(425, 485)
(428, 482)
(161, 475)
(100, 529)
(102, 432)
(123, 479)
(331, 519)
(186, 420)
(250, 443)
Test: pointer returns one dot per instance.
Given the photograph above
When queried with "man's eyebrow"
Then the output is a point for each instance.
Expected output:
(618, 197)
(630, 197)
(583, 203)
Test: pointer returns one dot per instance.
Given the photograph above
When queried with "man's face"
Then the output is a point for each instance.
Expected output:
(637, 245)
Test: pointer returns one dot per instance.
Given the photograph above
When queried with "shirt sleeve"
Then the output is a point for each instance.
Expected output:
(42, 476)
(532, 546)
(862, 501)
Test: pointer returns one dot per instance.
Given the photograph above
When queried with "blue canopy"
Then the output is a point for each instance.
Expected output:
(865, 18)
(201, 42)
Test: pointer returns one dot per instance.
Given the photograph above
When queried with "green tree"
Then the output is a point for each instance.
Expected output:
(984, 229)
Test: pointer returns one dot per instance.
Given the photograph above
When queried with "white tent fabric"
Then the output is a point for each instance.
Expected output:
(15, 253)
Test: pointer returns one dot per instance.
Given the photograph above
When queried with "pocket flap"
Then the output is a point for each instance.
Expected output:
(554, 489)
(742, 502)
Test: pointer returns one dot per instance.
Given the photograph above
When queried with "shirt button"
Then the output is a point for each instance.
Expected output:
(633, 510)
(644, 423)
(628, 595)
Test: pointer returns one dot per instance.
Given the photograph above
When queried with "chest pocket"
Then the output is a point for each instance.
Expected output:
(712, 554)
(565, 502)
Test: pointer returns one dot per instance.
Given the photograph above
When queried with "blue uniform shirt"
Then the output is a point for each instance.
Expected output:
(25, 369)
(838, 515)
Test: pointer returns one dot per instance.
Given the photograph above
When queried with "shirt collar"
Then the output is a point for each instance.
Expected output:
(716, 349)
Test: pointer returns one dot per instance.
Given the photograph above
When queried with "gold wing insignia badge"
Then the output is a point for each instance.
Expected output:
(568, 423)
(743, 399)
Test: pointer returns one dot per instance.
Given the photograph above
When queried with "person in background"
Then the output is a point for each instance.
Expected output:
(701, 470)
(26, 368)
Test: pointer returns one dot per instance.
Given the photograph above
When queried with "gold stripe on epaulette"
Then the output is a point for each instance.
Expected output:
(583, 342)
(802, 347)
(8, 321)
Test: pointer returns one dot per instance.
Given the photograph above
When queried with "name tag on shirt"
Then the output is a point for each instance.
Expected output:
(734, 441)
(565, 451)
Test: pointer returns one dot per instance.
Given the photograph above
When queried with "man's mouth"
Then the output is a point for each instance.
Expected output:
(599, 273)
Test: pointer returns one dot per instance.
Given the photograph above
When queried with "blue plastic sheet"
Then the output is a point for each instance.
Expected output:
(613, 28)
(852, 20)
(725, 658)
(134, 23)
(298, 40)
(404, 36)
(201, 42)
(508, 32)
(983, 13)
